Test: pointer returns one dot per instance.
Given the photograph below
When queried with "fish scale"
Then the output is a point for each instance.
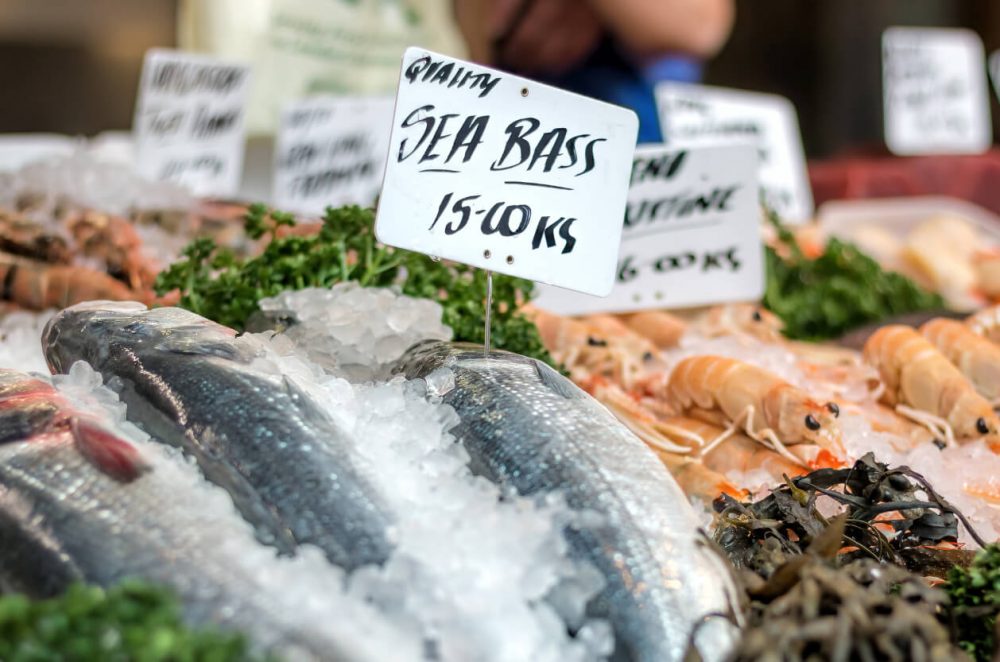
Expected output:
(526, 426)
(188, 382)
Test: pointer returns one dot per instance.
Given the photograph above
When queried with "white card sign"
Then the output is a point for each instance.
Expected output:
(189, 121)
(506, 174)
(691, 236)
(935, 92)
(699, 115)
(994, 65)
(331, 151)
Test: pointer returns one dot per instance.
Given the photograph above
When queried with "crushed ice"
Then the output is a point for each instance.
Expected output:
(486, 574)
(20, 345)
(354, 331)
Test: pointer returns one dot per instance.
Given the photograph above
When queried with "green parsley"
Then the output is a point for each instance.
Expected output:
(216, 284)
(975, 602)
(840, 290)
(131, 621)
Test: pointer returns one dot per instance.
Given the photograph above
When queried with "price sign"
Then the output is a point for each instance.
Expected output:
(331, 151)
(697, 116)
(691, 236)
(934, 92)
(189, 121)
(506, 174)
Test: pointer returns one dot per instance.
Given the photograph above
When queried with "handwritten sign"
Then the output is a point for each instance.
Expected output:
(506, 174)
(934, 92)
(331, 151)
(698, 115)
(691, 236)
(189, 121)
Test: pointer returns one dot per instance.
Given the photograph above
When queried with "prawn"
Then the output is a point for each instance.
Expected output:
(37, 285)
(976, 357)
(740, 318)
(643, 422)
(661, 328)
(115, 241)
(742, 454)
(986, 323)
(633, 350)
(740, 395)
(924, 386)
(696, 479)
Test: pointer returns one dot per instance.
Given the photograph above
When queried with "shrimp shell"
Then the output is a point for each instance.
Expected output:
(738, 390)
(661, 328)
(986, 323)
(975, 356)
(917, 375)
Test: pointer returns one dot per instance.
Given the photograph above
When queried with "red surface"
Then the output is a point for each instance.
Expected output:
(973, 178)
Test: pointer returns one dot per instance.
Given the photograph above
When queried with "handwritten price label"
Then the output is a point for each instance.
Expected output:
(698, 116)
(935, 92)
(331, 151)
(691, 234)
(189, 121)
(506, 174)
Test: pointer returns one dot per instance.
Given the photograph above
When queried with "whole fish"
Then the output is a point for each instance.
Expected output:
(189, 382)
(82, 501)
(526, 426)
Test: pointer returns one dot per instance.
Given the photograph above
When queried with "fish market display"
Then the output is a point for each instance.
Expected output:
(87, 497)
(916, 400)
(526, 426)
(190, 383)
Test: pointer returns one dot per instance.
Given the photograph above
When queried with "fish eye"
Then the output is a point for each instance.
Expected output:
(982, 427)
(833, 408)
(812, 423)
(757, 317)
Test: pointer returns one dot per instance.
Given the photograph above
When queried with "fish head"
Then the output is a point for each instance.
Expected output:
(95, 331)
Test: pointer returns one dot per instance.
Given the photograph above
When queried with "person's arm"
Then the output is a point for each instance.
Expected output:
(651, 27)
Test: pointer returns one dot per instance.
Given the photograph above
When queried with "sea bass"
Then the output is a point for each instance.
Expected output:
(526, 426)
(85, 500)
(190, 382)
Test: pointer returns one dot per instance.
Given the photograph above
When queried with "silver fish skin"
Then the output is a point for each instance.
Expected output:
(64, 518)
(526, 426)
(188, 382)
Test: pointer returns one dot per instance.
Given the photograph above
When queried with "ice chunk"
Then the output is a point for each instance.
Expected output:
(354, 331)
(20, 341)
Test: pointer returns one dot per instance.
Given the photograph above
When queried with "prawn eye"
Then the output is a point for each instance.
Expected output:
(757, 316)
(596, 342)
(833, 408)
(982, 427)
(812, 423)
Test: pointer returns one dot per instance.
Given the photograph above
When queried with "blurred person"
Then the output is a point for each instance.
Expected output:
(614, 50)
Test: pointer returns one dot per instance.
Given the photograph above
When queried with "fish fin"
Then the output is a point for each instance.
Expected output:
(112, 455)
(556, 383)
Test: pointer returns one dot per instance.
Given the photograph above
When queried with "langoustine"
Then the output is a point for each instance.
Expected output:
(38, 285)
(976, 357)
(921, 383)
(739, 395)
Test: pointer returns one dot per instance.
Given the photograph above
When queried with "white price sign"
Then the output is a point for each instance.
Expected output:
(189, 121)
(691, 237)
(331, 151)
(506, 174)
(699, 115)
(935, 92)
